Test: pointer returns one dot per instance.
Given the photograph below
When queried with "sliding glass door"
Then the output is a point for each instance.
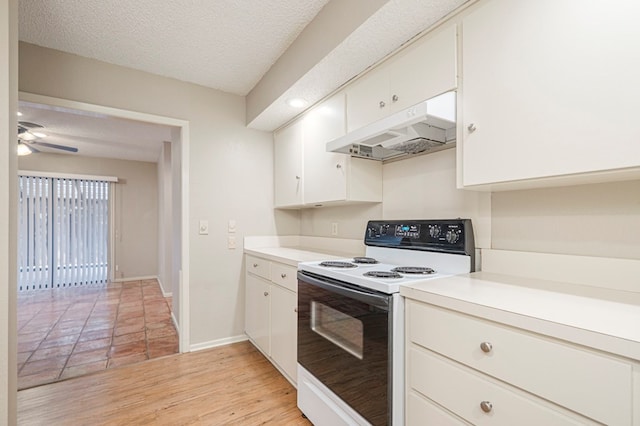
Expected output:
(63, 232)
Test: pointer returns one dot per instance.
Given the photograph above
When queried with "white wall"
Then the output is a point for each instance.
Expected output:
(601, 220)
(165, 219)
(230, 175)
(8, 209)
(136, 206)
(421, 187)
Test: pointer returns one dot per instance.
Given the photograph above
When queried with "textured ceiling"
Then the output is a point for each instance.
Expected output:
(224, 44)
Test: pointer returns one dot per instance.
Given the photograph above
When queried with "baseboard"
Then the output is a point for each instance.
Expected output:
(146, 277)
(164, 293)
(220, 342)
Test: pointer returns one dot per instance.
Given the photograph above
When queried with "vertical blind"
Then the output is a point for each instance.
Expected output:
(63, 232)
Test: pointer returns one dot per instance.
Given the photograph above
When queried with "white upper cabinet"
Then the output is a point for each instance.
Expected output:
(331, 178)
(549, 93)
(323, 177)
(325, 172)
(425, 69)
(288, 148)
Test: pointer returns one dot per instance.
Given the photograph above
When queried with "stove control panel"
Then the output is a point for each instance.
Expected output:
(450, 236)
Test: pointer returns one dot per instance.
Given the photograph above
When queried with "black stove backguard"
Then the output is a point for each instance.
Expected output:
(453, 236)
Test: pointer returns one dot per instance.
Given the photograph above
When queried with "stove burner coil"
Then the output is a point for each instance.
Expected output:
(382, 274)
(414, 270)
(365, 260)
(335, 264)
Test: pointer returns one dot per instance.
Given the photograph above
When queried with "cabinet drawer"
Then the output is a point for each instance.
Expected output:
(593, 385)
(285, 276)
(421, 411)
(258, 266)
(463, 392)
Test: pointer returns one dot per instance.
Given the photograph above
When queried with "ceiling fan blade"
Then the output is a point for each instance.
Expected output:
(55, 146)
(33, 148)
(29, 125)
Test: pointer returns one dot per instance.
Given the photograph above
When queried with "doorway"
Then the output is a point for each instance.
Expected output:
(149, 290)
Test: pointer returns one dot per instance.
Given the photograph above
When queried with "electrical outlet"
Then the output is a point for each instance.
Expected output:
(334, 228)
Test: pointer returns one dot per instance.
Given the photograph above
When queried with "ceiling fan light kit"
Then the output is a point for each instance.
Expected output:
(23, 149)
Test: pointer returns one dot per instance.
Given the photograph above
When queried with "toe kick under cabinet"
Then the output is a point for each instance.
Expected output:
(270, 312)
(463, 369)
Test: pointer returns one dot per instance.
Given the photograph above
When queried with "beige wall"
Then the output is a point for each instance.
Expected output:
(421, 187)
(8, 210)
(230, 173)
(136, 206)
(600, 220)
(165, 219)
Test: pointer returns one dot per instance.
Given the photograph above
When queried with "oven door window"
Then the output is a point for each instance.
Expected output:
(344, 343)
(339, 328)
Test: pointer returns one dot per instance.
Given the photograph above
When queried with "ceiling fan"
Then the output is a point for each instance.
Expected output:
(29, 138)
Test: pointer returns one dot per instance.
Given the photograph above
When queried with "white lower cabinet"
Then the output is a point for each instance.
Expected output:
(468, 369)
(271, 312)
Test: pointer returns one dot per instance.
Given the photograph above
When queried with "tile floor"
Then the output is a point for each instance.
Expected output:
(66, 333)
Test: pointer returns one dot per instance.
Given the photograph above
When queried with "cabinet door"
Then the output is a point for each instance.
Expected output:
(324, 172)
(551, 88)
(367, 99)
(426, 69)
(257, 311)
(284, 327)
(288, 150)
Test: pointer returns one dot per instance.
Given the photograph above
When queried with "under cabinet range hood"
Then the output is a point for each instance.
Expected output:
(427, 126)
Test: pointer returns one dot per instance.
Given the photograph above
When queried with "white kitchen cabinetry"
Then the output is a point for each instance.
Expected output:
(547, 96)
(425, 69)
(288, 165)
(331, 178)
(307, 175)
(271, 312)
(474, 370)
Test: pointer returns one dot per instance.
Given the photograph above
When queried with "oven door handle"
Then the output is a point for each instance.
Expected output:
(380, 301)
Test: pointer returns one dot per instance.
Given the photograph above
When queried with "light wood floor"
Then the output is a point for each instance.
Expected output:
(232, 384)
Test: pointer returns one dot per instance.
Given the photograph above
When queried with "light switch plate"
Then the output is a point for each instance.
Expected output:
(203, 227)
(232, 226)
(231, 242)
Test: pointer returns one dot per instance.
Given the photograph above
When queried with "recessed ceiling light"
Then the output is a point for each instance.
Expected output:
(297, 103)
(39, 135)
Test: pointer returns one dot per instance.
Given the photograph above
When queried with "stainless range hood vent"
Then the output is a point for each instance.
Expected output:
(427, 126)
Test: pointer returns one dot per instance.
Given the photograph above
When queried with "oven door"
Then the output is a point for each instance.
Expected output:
(344, 341)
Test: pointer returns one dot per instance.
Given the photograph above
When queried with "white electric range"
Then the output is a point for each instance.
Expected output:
(351, 318)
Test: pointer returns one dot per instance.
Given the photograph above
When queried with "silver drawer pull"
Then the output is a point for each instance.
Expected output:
(283, 275)
(266, 293)
(295, 310)
(486, 406)
(255, 265)
(382, 104)
(486, 347)
(471, 128)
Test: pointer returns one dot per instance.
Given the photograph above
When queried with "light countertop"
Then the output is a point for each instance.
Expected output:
(604, 319)
(290, 255)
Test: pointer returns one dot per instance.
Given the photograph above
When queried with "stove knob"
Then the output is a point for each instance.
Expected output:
(434, 231)
(452, 237)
